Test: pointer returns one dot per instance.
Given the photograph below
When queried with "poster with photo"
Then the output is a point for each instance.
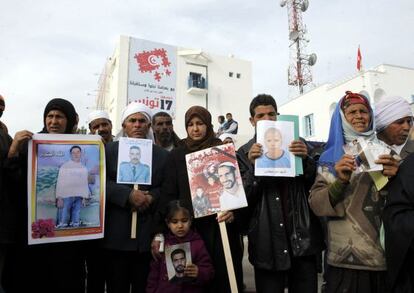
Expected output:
(177, 257)
(215, 180)
(134, 161)
(66, 188)
(275, 137)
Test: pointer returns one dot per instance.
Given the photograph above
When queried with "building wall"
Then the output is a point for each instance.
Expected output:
(379, 82)
(224, 94)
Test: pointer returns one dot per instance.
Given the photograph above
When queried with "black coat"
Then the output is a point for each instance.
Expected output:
(278, 226)
(176, 186)
(118, 210)
(8, 208)
(399, 229)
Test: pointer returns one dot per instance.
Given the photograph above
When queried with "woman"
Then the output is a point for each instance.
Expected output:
(200, 135)
(352, 203)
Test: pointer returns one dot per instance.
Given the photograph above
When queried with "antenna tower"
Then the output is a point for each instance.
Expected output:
(299, 71)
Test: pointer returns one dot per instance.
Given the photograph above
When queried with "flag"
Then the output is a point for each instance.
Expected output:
(359, 59)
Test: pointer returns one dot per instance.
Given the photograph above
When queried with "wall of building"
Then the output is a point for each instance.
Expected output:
(224, 93)
(379, 82)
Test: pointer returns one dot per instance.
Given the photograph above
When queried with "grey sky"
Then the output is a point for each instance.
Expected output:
(57, 48)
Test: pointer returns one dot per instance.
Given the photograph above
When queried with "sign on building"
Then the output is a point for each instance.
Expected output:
(152, 75)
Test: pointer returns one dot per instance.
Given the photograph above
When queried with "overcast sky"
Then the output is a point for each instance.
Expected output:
(58, 48)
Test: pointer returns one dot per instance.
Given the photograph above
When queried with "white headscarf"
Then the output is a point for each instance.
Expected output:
(136, 107)
(97, 114)
(389, 110)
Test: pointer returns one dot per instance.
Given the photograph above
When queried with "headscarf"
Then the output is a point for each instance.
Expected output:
(98, 114)
(341, 133)
(66, 108)
(136, 107)
(209, 139)
(389, 110)
(223, 136)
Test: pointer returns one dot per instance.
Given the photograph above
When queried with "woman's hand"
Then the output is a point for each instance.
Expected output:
(226, 216)
(19, 138)
(344, 168)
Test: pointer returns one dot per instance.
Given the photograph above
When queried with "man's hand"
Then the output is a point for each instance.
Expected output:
(390, 165)
(191, 270)
(298, 148)
(226, 216)
(344, 168)
(19, 138)
(139, 199)
(255, 151)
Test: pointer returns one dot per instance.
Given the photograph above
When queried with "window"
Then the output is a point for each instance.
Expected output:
(309, 127)
(238, 75)
(230, 74)
(196, 80)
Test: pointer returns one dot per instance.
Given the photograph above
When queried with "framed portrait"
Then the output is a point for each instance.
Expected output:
(134, 161)
(275, 137)
(66, 188)
(177, 257)
(215, 180)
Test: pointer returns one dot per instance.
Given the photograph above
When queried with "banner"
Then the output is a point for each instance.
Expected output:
(152, 75)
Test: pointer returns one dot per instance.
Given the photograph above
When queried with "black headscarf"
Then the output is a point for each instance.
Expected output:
(66, 108)
(209, 139)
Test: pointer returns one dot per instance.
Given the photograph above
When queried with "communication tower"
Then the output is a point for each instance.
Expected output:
(299, 71)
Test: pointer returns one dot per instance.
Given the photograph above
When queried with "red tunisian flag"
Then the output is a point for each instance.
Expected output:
(359, 59)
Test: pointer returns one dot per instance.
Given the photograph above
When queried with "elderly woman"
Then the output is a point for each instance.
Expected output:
(200, 135)
(352, 203)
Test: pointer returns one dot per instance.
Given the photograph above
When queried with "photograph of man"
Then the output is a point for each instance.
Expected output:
(179, 261)
(72, 189)
(99, 123)
(201, 203)
(231, 197)
(275, 156)
(134, 170)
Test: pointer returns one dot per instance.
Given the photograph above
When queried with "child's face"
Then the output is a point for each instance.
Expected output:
(273, 140)
(179, 224)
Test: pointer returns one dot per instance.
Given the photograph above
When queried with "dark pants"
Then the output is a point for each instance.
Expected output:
(355, 281)
(126, 270)
(302, 277)
(95, 270)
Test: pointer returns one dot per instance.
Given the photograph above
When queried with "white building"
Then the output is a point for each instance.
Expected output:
(221, 84)
(315, 107)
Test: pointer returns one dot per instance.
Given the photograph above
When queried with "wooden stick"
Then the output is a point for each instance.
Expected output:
(134, 220)
(227, 256)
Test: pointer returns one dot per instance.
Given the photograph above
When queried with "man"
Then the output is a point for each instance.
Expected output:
(221, 120)
(230, 197)
(164, 133)
(99, 123)
(231, 125)
(394, 121)
(127, 260)
(32, 263)
(134, 170)
(201, 203)
(72, 189)
(284, 236)
(179, 261)
(7, 204)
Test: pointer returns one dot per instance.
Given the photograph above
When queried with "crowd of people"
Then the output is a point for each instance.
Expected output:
(289, 221)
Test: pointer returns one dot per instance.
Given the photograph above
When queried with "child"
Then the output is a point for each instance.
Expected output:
(196, 275)
(275, 157)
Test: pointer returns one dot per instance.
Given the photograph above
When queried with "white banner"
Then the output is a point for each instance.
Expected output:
(152, 75)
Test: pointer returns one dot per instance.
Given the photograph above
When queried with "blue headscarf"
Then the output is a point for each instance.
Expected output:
(341, 133)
